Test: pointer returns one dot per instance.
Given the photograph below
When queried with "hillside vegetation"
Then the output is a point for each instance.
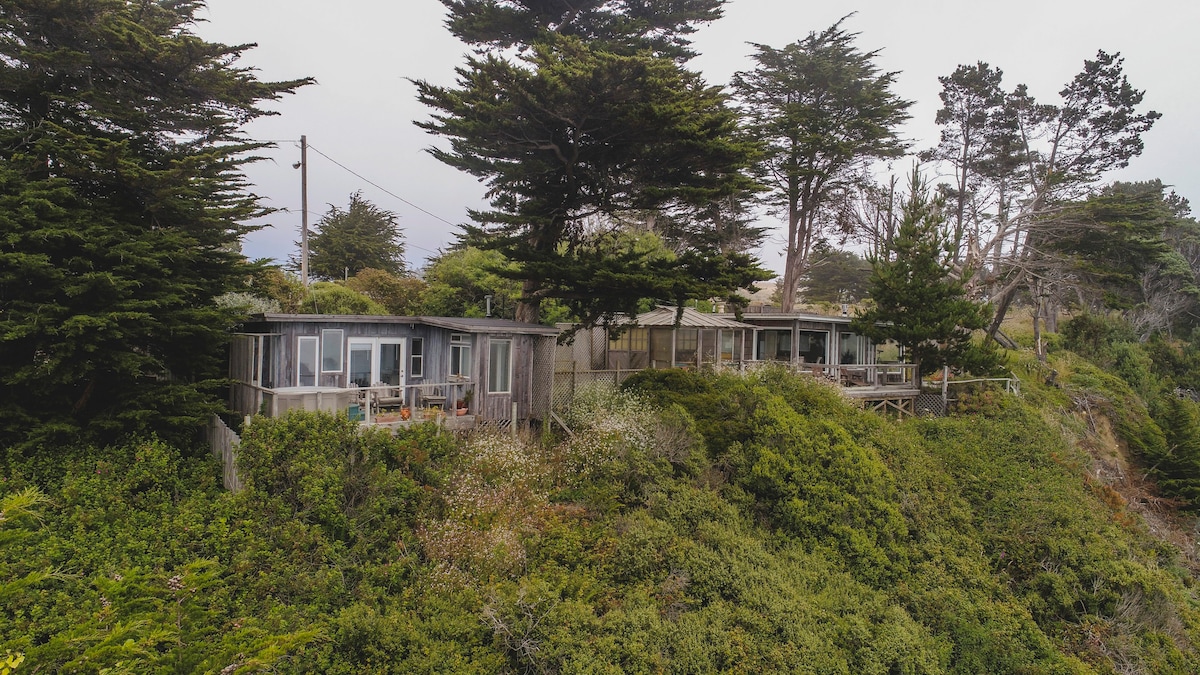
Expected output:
(694, 523)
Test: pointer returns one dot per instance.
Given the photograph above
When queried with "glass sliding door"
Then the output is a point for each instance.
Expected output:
(853, 349)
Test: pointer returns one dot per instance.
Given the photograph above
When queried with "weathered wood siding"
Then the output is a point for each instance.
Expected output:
(224, 443)
(435, 366)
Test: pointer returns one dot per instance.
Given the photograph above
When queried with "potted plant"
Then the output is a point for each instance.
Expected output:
(386, 417)
(464, 403)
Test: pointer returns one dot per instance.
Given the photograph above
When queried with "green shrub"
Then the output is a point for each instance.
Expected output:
(323, 469)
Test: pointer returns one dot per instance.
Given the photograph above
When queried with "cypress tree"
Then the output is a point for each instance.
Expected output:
(121, 203)
(592, 124)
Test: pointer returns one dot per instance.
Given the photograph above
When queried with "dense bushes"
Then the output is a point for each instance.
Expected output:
(1149, 391)
(808, 537)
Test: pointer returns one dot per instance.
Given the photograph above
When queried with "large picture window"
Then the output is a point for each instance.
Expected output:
(331, 350)
(460, 355)
(775, 345)
(500, 367)
(812, 346)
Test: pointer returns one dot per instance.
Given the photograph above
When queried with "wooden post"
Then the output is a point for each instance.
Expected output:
(945, 389)
(304, 210)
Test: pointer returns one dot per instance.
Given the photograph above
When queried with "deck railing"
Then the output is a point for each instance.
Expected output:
(879, 375)
(568, 380)
(364, 403)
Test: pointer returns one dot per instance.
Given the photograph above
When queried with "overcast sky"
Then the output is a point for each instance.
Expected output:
(360, 112)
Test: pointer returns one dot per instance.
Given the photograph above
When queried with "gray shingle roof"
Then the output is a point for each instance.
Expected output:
(461, 324)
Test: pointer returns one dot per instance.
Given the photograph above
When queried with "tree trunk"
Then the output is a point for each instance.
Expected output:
(787, 295)
(1002, 304)
(530, 305)
(1037, 331)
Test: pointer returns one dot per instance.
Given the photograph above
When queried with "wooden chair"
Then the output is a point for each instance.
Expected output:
(391, 397)
(436, 399)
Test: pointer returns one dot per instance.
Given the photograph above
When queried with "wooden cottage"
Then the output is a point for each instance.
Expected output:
(367, 364)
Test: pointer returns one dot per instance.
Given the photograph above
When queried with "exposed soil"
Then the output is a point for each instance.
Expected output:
(1114, 469)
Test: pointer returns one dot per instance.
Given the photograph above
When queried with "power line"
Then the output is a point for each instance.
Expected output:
(366, 180)
(380, 187)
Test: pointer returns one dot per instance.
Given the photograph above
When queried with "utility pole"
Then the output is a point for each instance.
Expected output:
(304, 210)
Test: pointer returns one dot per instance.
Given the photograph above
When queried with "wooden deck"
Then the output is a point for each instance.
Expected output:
(871, 393)
(899, 400)
(885, 387)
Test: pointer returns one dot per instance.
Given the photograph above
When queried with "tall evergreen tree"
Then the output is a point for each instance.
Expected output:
(121, 199)
(1119, 249)
(594, 119)
(915, 301)
(822, 109)
(835, 275)
(977, 132)
(361, 236)
(621, 26)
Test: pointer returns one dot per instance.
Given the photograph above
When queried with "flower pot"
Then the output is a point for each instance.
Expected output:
(460, 411)
(405, 413)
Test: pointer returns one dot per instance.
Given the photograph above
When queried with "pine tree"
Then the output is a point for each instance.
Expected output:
(1178, 469)
(915, 301)
(361, 236)
(121, 199)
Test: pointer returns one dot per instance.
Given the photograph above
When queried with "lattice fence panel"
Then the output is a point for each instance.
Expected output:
(568, 383)
(931, 405)
(543, 384)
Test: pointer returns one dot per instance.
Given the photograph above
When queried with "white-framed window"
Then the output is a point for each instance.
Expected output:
(360, 372)
(332, 340)
(460, 354)
(499, 367)
(306, 361)
(416, 367)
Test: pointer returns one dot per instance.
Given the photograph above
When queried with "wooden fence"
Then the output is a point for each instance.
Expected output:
(224, 443)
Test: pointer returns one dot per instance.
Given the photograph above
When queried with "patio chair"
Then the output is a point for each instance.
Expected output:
(436, 399)
(390, 397)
